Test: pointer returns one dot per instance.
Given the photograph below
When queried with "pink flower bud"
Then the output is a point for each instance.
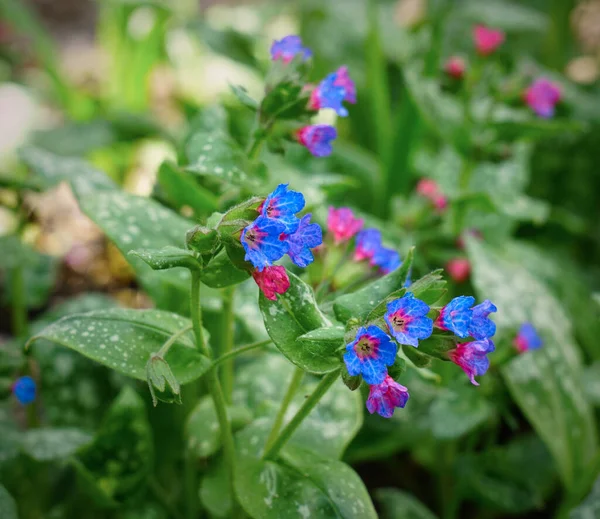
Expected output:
(455, 67)
(459, 269)
(343, 224)
(271, 281)
(487, 40)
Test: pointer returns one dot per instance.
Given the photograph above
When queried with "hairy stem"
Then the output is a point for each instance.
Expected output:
(164, 349)
(326, 382)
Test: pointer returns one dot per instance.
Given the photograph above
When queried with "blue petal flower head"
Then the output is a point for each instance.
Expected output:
(456, 316)
(307, 236)
(329, 94)
(282, 205)
(386, 259)
(369, 354)
(528, 338)
(407, 320)
(368, 242)
(24, 390)
(482, 327)
(385, 397)
(317, 138)
(471, 357)
(288, 48)
(261, 242)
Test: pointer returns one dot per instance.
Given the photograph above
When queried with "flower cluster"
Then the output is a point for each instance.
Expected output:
(542, 96)
(369, 247)
(527, 338)
(464, 320)
(430, 190)
(331, 92)
(278, 231)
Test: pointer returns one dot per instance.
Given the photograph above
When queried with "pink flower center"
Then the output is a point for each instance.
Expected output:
(254, 237)
(367, 348)
(399, 321)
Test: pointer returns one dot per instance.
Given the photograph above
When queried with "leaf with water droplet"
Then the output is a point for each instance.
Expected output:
(51, 444)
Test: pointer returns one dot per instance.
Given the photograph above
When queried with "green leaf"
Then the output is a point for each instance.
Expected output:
(123, 340)
(8, 507)
(285, 101)
(429, 288)
(115, 466)
(53, 169)
(514, 478)
(221, 272)
(202, 427)
(504, 15)
(53, 443)
(242, 96)
(182, 189)
(327, 430)
(330, 338)
(211, 118)
(301, 485)
(590, 508)
(133, 222)
(397, 504)
(544, 383)
(458, 411)
(360, 303)
(292, 315)
(590, 380)
(215, 491)
(168, 257)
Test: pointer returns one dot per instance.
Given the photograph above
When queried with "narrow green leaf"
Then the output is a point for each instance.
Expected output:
(168, 258)
(292, 315)
(124, 339)
(242, 96)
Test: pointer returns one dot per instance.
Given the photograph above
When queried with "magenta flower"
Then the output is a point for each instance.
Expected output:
(271, 281)
(288, 48)
(317, 139)
(430, 189)
(407, 320)
(487, 40)
(455, 67)
(368, 242)
(385, 397)
(528, 338)
(471, 357)
(343, 224)
(542, 96)
(456, 316)
(459, 269)
(369, 354)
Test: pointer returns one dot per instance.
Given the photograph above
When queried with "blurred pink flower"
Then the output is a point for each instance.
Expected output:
(487, 40)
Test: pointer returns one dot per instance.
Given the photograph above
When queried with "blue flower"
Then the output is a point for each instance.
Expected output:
(386, 259)
(317, 138)
(368, 242)
(528, 338)
(385, 397)
(456, 316)
(288, 48)
(282, 205)
(471, 357)
(332, 91)
(261, 242)
(24, 390)
(369, 354)
(481, 326)
(308, 236)
(407, 320)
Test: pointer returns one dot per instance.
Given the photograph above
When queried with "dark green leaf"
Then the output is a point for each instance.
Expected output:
(168, 258)
(215, 490)
(115, 466)
(124, 339)
(8, 507)
(326, 339)
(292, 315)
(53, 444)
(286, 101)
(221, 272)
(360, 303)
(397, 504)
(590, 508)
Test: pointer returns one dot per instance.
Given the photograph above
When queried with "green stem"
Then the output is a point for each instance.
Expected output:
(214, 386)
(19, 308)
(163, 498)
(228, 336)
(239, 351)
(190, 481)
(285, 403)
(303, 412)
(460, 211)
(164, 349)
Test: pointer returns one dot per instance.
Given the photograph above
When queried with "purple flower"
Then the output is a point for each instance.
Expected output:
(368, 242)
(288, 48)
(261, 242)
(407, 320)
(24, 390)
(385, 397)
(481, 326)
(317, 139)
(528, 338)
(471, 357)
(456, 316)
(542, 96)
(282, 205)
(369, 354)
(386, 259)
(332, 91)
(308, 236)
